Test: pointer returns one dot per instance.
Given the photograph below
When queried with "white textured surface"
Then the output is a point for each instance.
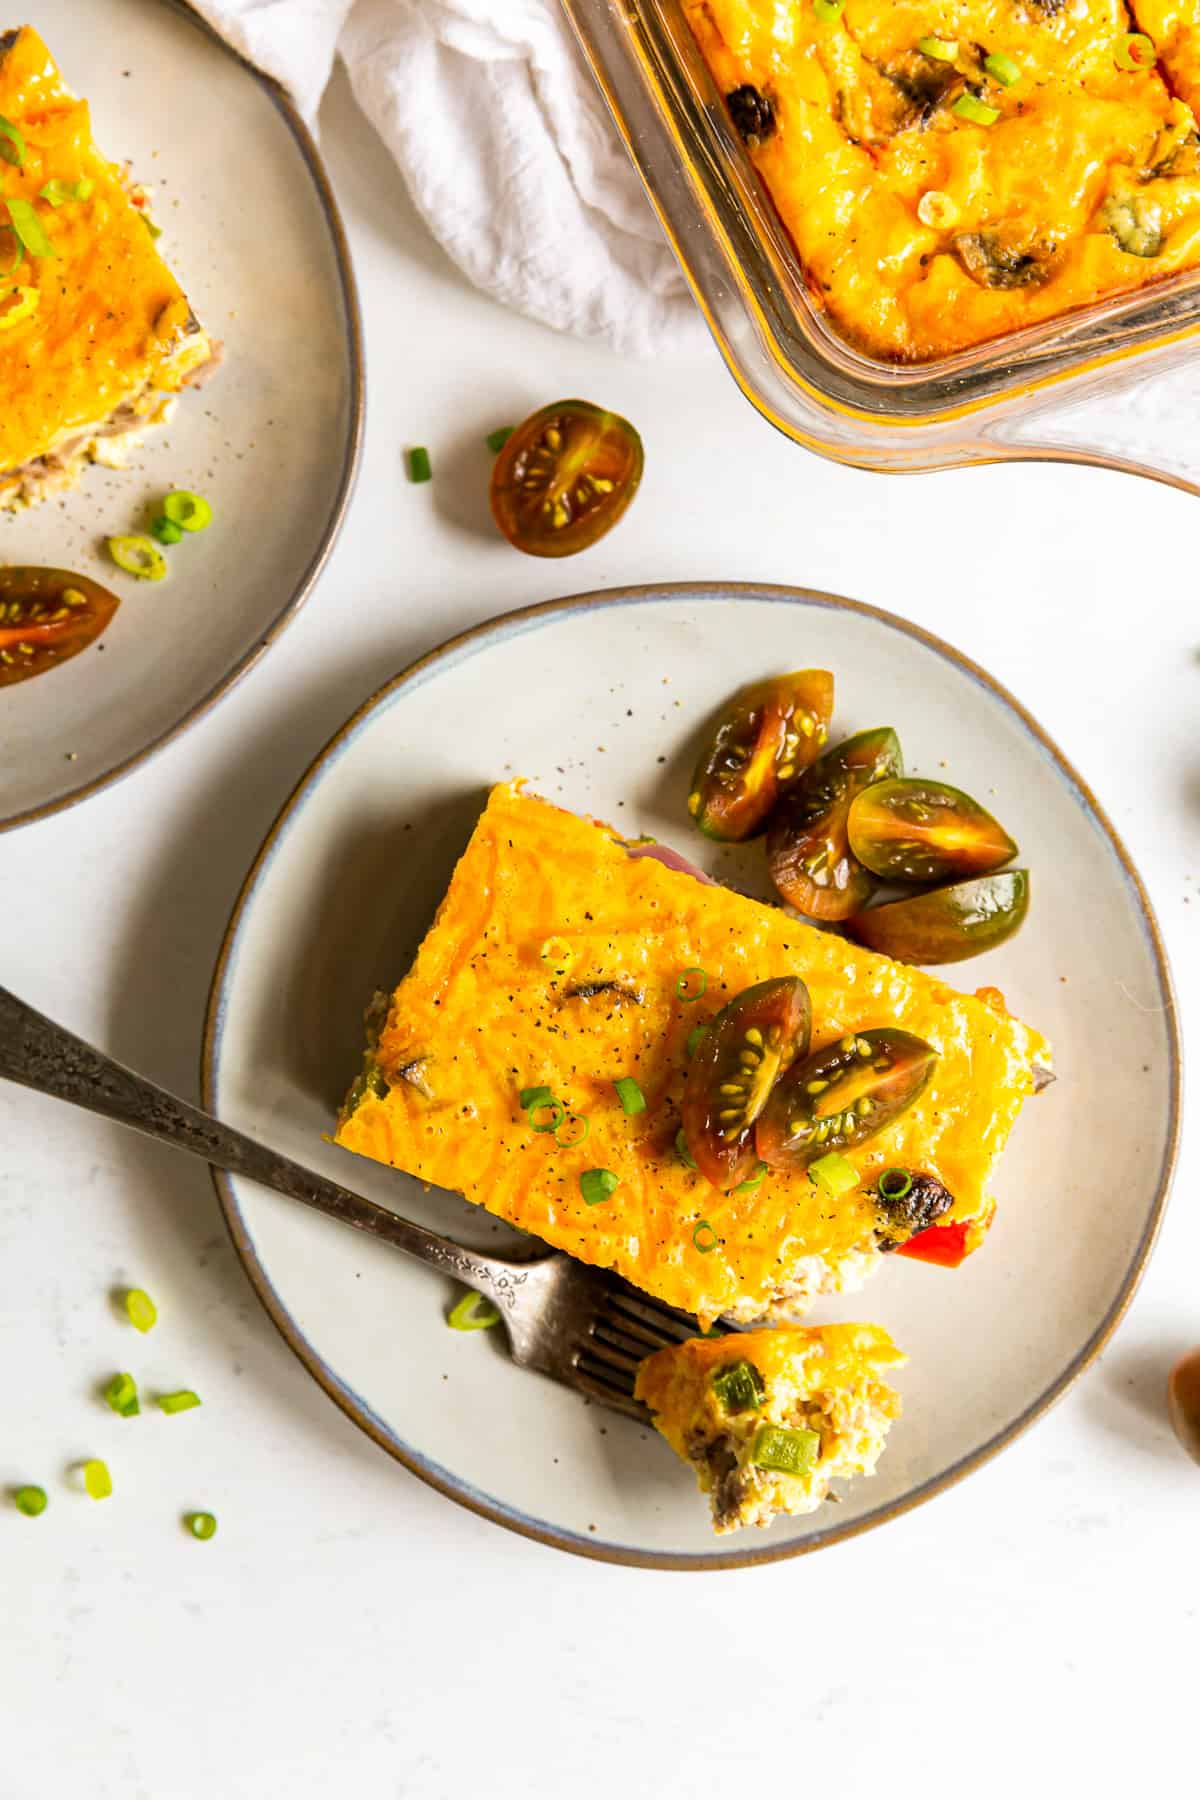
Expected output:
(349, 1632)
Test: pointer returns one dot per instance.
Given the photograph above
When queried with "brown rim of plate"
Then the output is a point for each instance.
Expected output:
(311, 158)
(460, 1491)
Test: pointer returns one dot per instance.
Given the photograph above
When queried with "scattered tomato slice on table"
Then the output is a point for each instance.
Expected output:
(47, 616)
(565, 477)
(763, 741)
(732, 1071)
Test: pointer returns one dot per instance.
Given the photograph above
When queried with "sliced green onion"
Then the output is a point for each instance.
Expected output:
(96, 1479)
(154, 230)
(183, 1400)
(166, 530)
(835, 1174)
(558, 951)
(788, 1452)
(694, 1037)
(139, 556)
(140, 1309)
(630, 1094)
(682, 1152)
(704, 1237)
(969, 106)
(59, 192)
(895, 1184)
(828, 10)
(419, 466)
(754, 1181)
(566, 1138)
(496, 440)
(12, 144)
(535, 1096)
(1001, 67)
(597, 1185)
(472, 1313)
(31, 1501)
(691, 985)
(738, 1386)
(18, 255)
(941, 49)
(201, 1525)
(122, 1395)
(555, 1113)
(29, 228)
(191, 512)
(1136, 51)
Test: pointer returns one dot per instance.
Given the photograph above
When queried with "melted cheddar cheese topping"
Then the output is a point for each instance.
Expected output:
(109, 318)
(553, 962)
(936, 204)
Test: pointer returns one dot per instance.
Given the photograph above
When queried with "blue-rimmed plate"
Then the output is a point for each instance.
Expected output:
(596, 700)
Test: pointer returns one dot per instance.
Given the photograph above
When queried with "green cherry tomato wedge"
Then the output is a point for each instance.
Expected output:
(48, 616)
(842, 1095)
(748, 1046)
(761, 744)
(808, 851)
(948, 924)
(909, 829)
(565, 477)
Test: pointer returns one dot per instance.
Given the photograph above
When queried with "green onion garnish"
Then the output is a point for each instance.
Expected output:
(556, 950)
(691, 985)
(835, 1174)
(96, 1479)
(201, 1525)
(183, 1400)
(496, 440)
(59, 192)
(1002, 68)
(895, 1184)
(738, 1386)
(630, 1094)
(597, 1185)
(555, 1112)
(191, 512)
(166, 530)
(18, 254)
(1136, 51)
(969, 106)
(535, 1096)
(122, 1395)
(140, 1309)
(419, 466)
(139, 556)
(682, 1152)
(154, 230)
(788, 1452)
(704, 1237)
(693, 1038)
(754, 1181)
(31, 1501)
(29, 228)
(12, 144)
(941, 49)
(472, 1313)
(828, 10)
(570, 1139)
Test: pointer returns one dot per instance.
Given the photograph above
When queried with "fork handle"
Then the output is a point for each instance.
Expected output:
(39, 1054)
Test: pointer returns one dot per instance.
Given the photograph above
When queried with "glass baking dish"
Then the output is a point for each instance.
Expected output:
(1072, 389)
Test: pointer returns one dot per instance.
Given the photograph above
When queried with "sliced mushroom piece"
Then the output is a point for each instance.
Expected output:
(996, 260)
(1135, 221)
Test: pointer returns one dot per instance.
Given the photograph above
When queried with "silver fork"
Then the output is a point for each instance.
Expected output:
(581, 1326)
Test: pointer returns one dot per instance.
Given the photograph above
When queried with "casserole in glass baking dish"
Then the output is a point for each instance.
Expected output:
(786, 333)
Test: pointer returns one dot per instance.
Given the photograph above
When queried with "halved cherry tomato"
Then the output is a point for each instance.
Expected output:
(910, 829)
(949, 1245)
(565, 477)
(47, 616)
(947, 924)
(808, 852)
(762, 743)
(842, 1095)
(732, 1071)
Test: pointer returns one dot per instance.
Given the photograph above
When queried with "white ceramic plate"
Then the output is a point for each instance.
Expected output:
(585, 697)
(251, 229)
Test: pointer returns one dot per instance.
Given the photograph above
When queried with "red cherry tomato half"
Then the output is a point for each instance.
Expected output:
(565, 477)
(47, 616)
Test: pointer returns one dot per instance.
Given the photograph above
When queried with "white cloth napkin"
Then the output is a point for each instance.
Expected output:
(504, 143)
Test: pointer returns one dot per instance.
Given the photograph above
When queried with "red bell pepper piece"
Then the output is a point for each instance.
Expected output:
(949, 1245)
